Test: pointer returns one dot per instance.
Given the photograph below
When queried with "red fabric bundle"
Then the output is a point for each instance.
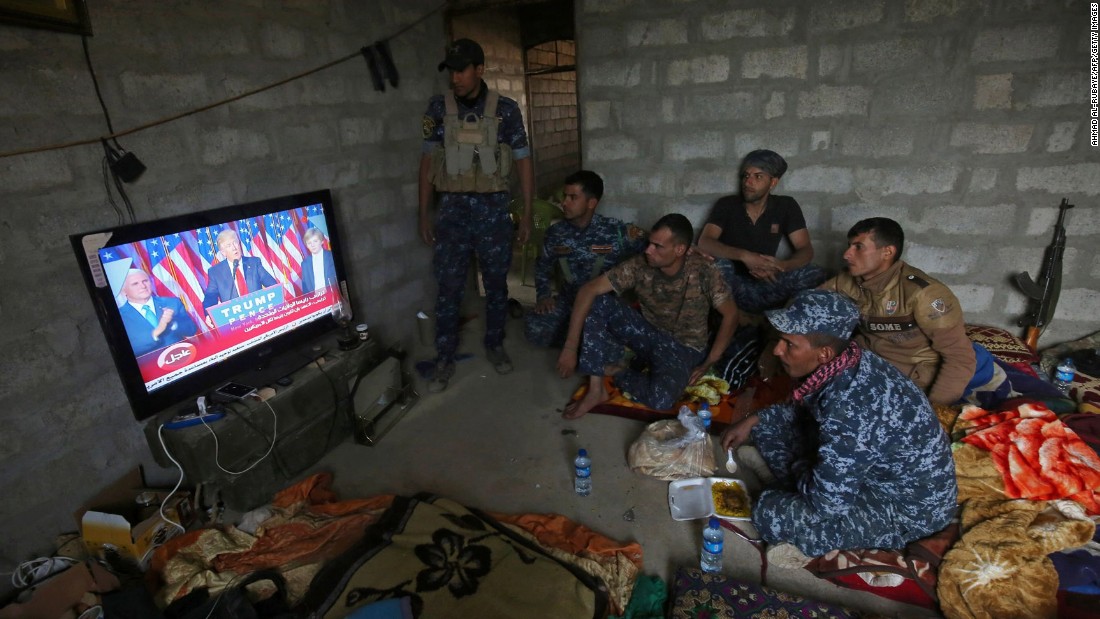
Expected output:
(1039, 457)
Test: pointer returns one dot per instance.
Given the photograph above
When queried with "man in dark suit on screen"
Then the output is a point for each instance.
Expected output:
(151, 322)
(234, 276)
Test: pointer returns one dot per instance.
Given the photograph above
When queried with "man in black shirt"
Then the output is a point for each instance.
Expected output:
(743, 232)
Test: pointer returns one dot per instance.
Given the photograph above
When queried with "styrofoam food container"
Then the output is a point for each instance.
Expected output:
(691, 499)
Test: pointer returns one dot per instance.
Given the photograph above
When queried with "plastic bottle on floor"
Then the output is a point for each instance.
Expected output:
(710, 559)
(1063, 375)
(582, 481)
(705, 414)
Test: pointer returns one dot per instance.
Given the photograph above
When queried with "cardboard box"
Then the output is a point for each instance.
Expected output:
(114, 525)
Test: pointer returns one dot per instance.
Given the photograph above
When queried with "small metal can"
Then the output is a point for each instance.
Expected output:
(362, 330)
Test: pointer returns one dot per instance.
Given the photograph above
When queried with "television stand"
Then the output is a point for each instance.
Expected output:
(306, 419)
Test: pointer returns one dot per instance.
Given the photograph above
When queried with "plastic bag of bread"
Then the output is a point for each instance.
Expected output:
(673, 449)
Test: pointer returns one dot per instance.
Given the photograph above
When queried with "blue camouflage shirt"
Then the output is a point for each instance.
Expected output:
(877, 437)
(580, 254)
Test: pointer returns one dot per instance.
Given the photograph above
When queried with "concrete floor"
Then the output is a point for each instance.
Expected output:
(499, 443)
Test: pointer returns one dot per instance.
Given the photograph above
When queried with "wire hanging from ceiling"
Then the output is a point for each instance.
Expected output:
(378, 59)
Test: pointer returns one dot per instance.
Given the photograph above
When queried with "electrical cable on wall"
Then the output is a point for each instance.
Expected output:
(379, 63)
(121, 167)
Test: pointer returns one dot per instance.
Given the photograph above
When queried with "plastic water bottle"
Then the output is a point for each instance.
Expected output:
(705, 414)
(582, 482)
(711, 557)
(1063, 375)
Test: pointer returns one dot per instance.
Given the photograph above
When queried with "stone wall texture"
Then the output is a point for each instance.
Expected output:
(69, 431)
(554, 133)
(964, 120)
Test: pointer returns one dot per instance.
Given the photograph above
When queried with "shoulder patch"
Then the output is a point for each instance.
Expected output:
(634, 232)
(429, 126)
(939, 305)
(918, 281)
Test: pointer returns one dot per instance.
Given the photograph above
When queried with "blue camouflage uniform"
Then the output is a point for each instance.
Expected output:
(576, 255)
(478, 223)
(756, 295)
(669, 334)
(862, 462)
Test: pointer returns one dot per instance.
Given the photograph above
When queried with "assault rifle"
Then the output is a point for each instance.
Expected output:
(1043, 294)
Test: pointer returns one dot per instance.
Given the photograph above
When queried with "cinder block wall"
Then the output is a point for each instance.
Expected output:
(554, 129)
(965, 120)
(498, 34)
(67, 428)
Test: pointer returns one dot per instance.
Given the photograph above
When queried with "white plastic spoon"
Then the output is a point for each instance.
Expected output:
(731, 466)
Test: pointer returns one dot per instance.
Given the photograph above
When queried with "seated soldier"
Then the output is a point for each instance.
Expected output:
(744, 232)
(914, 321)
(581, 247)
(856, 458)
(676, 292)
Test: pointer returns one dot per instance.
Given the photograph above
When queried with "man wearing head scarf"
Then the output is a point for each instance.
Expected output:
(744, 231)
(856, 458)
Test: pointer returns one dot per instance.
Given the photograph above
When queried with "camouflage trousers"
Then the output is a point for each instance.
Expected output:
(610, 325)
(755, 295)
(479, 225)
(783, 512)
(549, 329)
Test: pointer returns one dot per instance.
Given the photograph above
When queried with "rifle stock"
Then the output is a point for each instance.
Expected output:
(1032, 339)
(1044, 293)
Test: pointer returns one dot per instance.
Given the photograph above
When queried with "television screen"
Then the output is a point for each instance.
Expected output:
(190, 302)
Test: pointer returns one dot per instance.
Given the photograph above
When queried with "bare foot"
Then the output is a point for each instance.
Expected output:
(595, 396)
(612, 369)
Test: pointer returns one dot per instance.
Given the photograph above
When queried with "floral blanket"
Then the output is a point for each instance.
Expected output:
(1039, 457)
(454, 562)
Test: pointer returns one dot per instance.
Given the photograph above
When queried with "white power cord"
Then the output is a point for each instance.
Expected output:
(160, 435)
(36, 570)
(271, 446)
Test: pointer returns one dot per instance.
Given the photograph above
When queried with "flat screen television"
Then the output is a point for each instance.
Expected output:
(190, 302)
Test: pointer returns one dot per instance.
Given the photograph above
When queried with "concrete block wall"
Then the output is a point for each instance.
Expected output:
(965, 120)
(498, 33)
(554, 129)
(68, 429)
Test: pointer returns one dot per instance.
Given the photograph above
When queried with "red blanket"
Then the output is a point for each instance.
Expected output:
(1039, 457)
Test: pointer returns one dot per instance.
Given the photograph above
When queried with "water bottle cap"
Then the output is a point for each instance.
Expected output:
(713, 522)
(583, 453)
(705, 406)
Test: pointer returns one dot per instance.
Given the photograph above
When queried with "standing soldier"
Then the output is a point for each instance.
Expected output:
(472, 138)
(582, 246)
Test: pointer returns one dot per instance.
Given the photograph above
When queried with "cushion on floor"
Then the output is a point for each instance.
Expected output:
(1002, 344)
(918, 563)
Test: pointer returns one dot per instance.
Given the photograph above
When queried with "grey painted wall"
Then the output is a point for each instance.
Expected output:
(67, 428)
(965, 120)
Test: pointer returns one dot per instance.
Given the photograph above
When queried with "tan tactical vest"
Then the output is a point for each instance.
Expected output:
(471, 159)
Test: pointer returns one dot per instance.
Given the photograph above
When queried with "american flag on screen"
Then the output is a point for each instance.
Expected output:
(285, 253)
(203, 242)
(177, 271)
